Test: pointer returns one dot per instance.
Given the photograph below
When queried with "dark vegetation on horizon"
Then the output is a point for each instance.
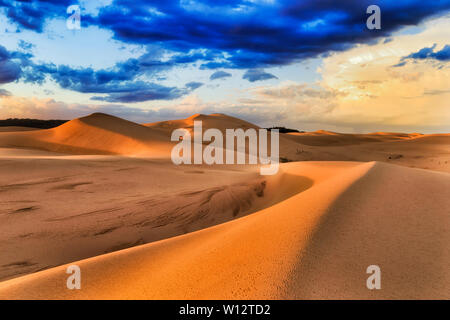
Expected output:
(31, 123)
(48, 124)
(284, 130)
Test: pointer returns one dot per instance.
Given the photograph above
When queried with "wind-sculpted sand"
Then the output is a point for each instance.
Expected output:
(101, 192)
(314, 244)
(58, 209)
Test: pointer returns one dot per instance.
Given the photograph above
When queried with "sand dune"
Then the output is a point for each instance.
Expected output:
(104, 134)
(216, 120)
(95, 134)
(430, 151)
(315, 244)
(98, 204)
(328, 138)
(142, 228)
(16, 128)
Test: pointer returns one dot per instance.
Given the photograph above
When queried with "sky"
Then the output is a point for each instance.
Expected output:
(305, 64)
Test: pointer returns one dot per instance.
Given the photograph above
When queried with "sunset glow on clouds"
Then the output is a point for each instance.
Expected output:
(304, 64)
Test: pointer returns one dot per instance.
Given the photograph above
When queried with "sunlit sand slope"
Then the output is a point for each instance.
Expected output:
(314, 244)
(216, 121)
(95, 134)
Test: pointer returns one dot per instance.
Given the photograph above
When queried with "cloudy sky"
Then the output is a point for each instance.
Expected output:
(306, 64)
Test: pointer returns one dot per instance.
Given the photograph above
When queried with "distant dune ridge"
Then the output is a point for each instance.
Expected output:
(100, 133)
(101, 192)
(216, 121)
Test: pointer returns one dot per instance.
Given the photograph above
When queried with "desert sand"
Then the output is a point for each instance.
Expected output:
(101, 192)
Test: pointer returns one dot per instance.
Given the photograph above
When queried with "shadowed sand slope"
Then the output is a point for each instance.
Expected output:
(59, 209)
(16, 128)
(314, 244)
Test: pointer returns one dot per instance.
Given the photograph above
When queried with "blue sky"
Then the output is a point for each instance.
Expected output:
(267, 61)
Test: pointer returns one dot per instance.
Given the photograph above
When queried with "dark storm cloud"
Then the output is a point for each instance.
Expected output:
(259, 34)
(193, 85)
(219, 75)
(33, 14)
(429, 53)
(118, 83)
(9, 66)
(257, 75)
(139, 93)
(239, 34)
(253, 34)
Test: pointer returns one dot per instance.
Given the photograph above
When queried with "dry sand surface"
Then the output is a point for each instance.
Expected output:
(15, 128)
(102, 193)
